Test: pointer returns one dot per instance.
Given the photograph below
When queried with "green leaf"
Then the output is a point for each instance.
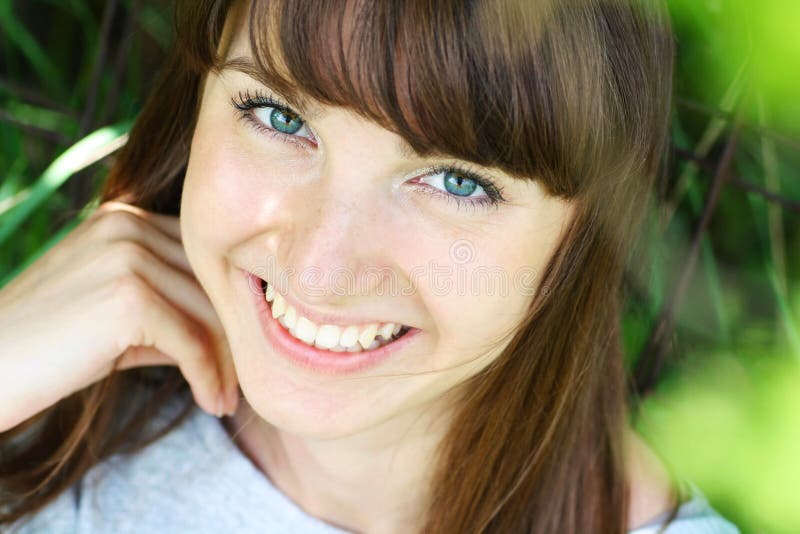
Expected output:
(85, 152)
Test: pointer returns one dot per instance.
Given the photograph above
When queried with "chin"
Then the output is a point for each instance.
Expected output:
(305, 409)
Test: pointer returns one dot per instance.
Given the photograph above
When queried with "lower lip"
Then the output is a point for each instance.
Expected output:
(312, 358)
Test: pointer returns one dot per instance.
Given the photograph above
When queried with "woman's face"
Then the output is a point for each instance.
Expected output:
(352, 231)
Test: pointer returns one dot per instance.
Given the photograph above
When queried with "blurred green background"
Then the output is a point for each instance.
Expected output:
(712, 324)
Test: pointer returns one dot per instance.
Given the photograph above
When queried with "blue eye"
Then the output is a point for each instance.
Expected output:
(460, 185)
(272, 117)
(283, 120)
(453, 181)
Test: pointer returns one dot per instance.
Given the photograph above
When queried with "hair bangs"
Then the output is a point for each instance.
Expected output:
(477, 88)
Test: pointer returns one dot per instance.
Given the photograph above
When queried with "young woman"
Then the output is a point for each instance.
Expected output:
(385, 240)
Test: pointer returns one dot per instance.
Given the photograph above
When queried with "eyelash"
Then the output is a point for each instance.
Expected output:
(493, 198)
(246, 103)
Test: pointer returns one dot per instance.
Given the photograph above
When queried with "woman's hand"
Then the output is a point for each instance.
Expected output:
(118, 287)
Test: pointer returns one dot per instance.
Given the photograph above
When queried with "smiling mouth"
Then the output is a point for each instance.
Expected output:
(334, 338)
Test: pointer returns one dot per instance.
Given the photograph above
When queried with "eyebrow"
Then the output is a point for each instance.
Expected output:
(304, 105)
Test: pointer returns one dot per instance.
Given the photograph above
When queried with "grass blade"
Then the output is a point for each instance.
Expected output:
(85, 152)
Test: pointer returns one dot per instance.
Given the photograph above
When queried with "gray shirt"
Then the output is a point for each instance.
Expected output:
(195, 479)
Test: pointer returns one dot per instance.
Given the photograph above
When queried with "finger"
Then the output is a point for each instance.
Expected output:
(168, 224)
(138, 356)
(177, 286)
(166, 247)
(184, 292)
(229, 378)
(122, 225)
(160, 325)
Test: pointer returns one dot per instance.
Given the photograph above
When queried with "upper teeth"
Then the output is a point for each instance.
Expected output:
(328, 336)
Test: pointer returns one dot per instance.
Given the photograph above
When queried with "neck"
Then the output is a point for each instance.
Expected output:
(372, 481)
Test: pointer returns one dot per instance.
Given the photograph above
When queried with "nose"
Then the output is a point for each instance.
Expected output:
(335, 241)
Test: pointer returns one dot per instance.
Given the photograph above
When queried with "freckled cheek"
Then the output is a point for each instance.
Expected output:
(470, 318)
(232, 185)
(471, 300)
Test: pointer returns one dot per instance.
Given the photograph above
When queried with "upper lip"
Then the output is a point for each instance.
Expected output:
(321, 318)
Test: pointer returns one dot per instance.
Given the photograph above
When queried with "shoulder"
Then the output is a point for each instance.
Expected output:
(141, 484)
(695, 516)
(653, 495)
(60, 515)
(192, 479)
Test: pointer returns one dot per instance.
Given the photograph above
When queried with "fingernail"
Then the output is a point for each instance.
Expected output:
(220, 405)
(234, 397)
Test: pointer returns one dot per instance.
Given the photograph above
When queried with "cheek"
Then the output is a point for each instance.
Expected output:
(215, 202)
(468, 290)
(217, 188)
(474, 315)
(478, 290)
(232, 183)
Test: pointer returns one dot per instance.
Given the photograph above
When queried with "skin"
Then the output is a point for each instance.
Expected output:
(350, 450)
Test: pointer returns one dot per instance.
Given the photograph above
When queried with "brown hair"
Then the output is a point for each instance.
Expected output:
(574, 94)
